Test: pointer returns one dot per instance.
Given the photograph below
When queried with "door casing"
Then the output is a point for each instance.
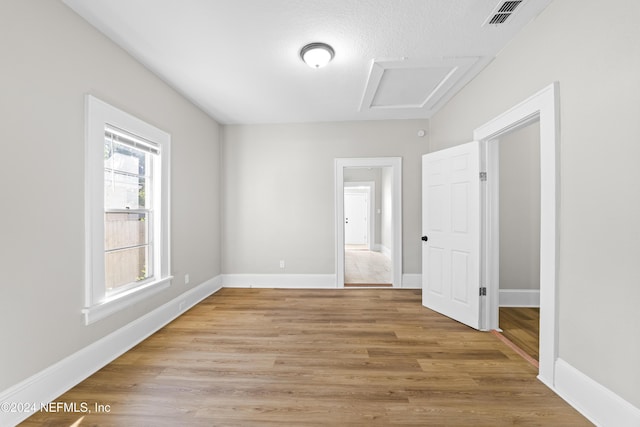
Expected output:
(543, 106)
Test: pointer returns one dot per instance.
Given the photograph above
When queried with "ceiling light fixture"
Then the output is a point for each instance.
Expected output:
(317, 55)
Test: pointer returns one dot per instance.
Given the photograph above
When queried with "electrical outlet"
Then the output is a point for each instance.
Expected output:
(186, 279)
(281, 263)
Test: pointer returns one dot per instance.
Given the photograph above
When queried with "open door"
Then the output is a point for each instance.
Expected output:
(451, 232)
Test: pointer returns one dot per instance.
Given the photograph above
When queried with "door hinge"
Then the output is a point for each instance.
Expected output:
(483, 292)
(483, 176)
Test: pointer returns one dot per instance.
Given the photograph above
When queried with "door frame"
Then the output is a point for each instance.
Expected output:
(395, 163)
(545, 107)
(371, 213)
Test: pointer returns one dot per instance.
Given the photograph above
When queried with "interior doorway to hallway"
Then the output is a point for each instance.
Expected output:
(543, 107)
(367, 258)
(479, 207)
(366, 264)
(368, 222)
(518, 175)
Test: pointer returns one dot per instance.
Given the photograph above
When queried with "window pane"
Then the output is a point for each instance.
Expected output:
(126, 266)
(123, 191)
(123, 230)
(125, 159)
(127, 176)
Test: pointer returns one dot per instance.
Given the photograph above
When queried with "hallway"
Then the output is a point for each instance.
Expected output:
(364, 267)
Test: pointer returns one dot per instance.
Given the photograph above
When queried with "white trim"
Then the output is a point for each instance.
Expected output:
(300, 281)
(290, 281)
(519, 298)
(371, 187)
(543, 106)
(412, 281)
(383, 250)
(53, 381)
(121, 301)
(596, 402)
(396, 166)
(491, 244)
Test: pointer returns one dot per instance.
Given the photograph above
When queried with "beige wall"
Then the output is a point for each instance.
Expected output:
(278, 191)
(597, 67)
(520, 208)
(50, 59)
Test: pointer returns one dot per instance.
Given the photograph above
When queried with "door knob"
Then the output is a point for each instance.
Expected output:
(425, 238)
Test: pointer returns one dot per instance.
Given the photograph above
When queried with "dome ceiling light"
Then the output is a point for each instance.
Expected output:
(317, 55)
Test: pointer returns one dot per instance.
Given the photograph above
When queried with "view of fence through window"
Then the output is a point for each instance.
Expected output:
(128, 217)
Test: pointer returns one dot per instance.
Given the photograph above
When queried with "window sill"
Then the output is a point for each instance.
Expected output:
(119, 302)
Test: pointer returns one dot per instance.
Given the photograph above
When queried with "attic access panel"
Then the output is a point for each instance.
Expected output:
(410, 84)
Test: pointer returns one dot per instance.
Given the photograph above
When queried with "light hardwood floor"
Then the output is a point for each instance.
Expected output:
(521, 326)
(274, 357)
(362, 266)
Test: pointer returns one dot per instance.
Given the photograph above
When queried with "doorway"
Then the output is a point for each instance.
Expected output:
(461, 224)
(518, 177)
(366, 227)
(353, 178)
(542, 107)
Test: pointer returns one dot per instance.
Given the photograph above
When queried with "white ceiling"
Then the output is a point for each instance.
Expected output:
(239, 59)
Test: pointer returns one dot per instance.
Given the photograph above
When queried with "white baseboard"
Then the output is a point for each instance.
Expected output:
(53, 381)
(291, 281)
(385, 251)
(596, 402)
(519, 298)
(412, 281)
(299, 281)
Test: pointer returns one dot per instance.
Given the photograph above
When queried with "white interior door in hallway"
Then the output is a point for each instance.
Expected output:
(356, 218)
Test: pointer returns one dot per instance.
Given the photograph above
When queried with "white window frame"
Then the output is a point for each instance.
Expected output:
(98, 304)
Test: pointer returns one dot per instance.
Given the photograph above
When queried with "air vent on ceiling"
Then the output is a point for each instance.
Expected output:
(503, 12)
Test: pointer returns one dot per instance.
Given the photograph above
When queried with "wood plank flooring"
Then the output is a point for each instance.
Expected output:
(273, 357)
(521, 326)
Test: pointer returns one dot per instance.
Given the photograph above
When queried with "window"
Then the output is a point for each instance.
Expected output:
(127, 214)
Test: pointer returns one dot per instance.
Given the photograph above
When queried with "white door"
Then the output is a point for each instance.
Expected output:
(451, 227)
(355, 218)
